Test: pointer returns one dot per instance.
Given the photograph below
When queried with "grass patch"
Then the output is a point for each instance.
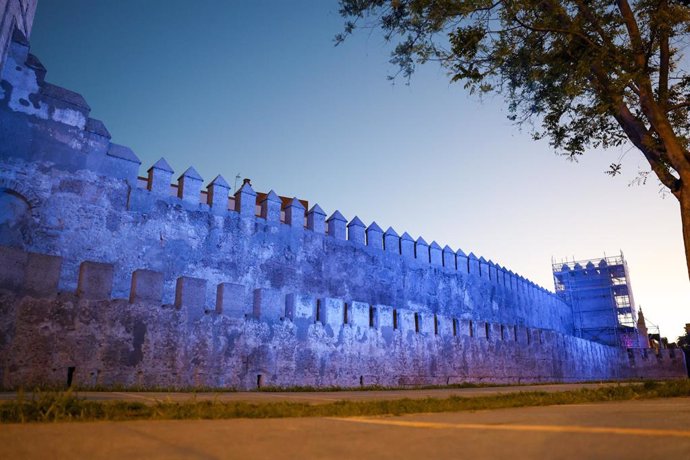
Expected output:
(66, 406)
(312, 389)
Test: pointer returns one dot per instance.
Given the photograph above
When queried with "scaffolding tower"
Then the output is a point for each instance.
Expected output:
(601, 297)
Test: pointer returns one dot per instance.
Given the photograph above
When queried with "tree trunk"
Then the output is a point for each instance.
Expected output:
(684, 199)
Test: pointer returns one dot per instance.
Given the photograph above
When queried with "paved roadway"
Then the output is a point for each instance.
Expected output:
(632, 429)
(321, 397)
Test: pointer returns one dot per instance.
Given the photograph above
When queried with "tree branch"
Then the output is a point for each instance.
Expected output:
(664, 55)
(678, 106)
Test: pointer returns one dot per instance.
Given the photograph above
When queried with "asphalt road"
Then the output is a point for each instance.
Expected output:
(321, 397)
(632, 429)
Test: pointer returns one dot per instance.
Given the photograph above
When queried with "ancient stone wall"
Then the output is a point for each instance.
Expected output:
(185, 286)
(298, 339)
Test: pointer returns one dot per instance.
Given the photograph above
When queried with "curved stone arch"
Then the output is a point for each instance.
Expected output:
(18, 189)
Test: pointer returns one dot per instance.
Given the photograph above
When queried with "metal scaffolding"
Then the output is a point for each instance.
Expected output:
(601, 297)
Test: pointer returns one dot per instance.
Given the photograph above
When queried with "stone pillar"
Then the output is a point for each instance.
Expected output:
(316, 220)
(407, 245)
(421, 250)
(231, 300)
(268, 305)
(95, 281)
(374, 236)
(461, 261)
(391, 241)
(473, 264)
(449, 258)
(355, 231)
(435, 254)
(336, 225)
(190, 293)
(270, 207)
(189, 186)
(218, 191)
(147, 286)
(294, 214)
(245, 200)
(160, 176)
(483, 268)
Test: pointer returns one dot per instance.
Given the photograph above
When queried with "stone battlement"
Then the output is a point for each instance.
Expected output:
(269, 339)
(36, 275)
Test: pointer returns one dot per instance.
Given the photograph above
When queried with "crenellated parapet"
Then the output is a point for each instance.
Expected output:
(38, 274)
(274, 334)
(161, 224)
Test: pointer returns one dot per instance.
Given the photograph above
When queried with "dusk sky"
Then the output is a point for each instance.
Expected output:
(258, 89)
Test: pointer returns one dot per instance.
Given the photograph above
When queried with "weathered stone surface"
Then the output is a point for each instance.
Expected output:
(270, 207)
(294, 214)
(147, 286)
(407, 245)
(268, 305)
(217, 192)
(42, 274)
(448, 258)
(12, 267)
(190, 294)
(160, 175)
(435, 256)
(316, 220)
(189, 186)
(356, 231)
(245, 200)
(231, 300)
(95, 280)
(336, 225)
(374, 236)
(391, 241)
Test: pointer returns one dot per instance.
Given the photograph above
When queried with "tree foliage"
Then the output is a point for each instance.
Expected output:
(586, 73)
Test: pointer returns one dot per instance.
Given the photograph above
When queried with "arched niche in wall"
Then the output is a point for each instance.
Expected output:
(18, 212)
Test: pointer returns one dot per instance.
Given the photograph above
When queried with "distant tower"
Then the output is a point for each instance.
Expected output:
(643, 335)
(17, 19)
(599, 292)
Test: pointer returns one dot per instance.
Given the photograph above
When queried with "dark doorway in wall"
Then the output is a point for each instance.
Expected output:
(70, 375)
(259, 380)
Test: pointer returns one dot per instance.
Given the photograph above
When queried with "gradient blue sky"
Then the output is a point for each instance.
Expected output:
(257, 88)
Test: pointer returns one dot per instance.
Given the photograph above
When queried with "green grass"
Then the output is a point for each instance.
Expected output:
(66, 406)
